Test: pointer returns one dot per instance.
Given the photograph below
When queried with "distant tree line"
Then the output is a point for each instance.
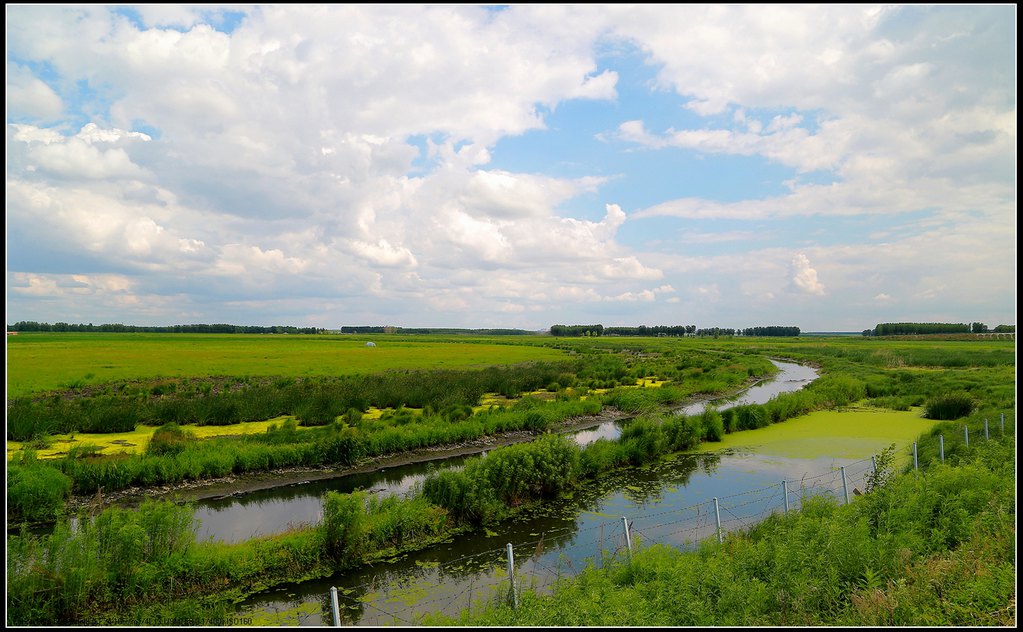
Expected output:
(910, 328)
(389, 329)
(669, 330)
(577, 330)
(771, 331)
(173, 329)
(656, 330)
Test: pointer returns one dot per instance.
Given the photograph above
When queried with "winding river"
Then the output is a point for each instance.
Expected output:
(670, 501)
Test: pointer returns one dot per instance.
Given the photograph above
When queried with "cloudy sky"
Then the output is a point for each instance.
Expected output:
(479, 166)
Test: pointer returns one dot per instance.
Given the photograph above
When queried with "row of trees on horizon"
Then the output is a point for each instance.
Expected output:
(219, 328)
(882, 329)
(669, 330)
(904, 329)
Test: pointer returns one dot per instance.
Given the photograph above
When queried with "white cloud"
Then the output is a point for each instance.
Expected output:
(629, 268)
(79, 159)
(327, 153)
(804, 277)
(27, 97)
(383, 253)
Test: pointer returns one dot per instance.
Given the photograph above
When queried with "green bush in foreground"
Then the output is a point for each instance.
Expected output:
(35, 492)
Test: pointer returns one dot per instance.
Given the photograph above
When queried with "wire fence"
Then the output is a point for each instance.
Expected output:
(469, 581)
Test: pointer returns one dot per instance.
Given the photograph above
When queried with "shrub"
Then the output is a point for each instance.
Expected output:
(169, 439)
(343, 529)
(36, 492)
(950, 406)
(713, 425)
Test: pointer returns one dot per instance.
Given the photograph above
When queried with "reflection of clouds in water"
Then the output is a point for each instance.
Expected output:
(272, 511)
(670, 503)
(784, 382)
(267, 512)
(608, 430)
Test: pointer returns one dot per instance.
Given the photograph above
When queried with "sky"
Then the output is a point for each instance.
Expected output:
(825, 167)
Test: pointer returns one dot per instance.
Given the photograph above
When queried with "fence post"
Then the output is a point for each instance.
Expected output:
(915, 463)
(941, 447)
(1003, 423)
(628, 536)
(511, 577)
(717, 517)
(845, 485)
(873, 463)
(966, 433)
(785, 492)
(986, 436)
(335, 611)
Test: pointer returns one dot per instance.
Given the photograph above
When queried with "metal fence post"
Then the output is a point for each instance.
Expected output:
(845, 485)
(941, 447)
(717, 517)
(628, 536)
(511, 576)
(916, 464)
(785, 493)
(873, 463)
(966, 433)
(335, 610)
(987, 437)
(1003, 423)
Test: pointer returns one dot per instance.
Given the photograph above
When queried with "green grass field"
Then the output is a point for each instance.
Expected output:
(39, 362)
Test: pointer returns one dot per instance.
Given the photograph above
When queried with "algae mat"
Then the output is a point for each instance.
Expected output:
(137, 440)
(853, 433)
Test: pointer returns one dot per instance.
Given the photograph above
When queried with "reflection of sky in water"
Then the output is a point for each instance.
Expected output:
(607, 430)
(266, 512)
(791, 377)
(273, 511)
(669, 502)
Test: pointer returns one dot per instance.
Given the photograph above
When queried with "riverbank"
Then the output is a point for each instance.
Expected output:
(241, 484)
(223, 487)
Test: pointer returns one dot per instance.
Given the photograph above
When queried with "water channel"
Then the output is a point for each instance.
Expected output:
(274, 510)
(670, 501)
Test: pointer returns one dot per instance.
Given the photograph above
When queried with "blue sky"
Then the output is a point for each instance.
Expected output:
(520, 166)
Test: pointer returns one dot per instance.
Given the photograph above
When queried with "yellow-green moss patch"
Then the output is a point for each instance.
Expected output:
(855, 433)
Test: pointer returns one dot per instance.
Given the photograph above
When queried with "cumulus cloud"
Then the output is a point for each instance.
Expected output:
(804, 277)
(383, 253)
(29, 98)
(629, 268)
(332, 152)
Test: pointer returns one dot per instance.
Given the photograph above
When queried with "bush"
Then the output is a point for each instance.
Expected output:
(343, 529)
(36, 492)
(950, 406)
(169, 439)
(713, 425)
(341, 447)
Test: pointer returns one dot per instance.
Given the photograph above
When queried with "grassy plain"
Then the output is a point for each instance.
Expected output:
(39, 362)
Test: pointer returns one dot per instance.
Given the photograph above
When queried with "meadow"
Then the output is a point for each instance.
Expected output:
(411, 400)
(42, 362)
